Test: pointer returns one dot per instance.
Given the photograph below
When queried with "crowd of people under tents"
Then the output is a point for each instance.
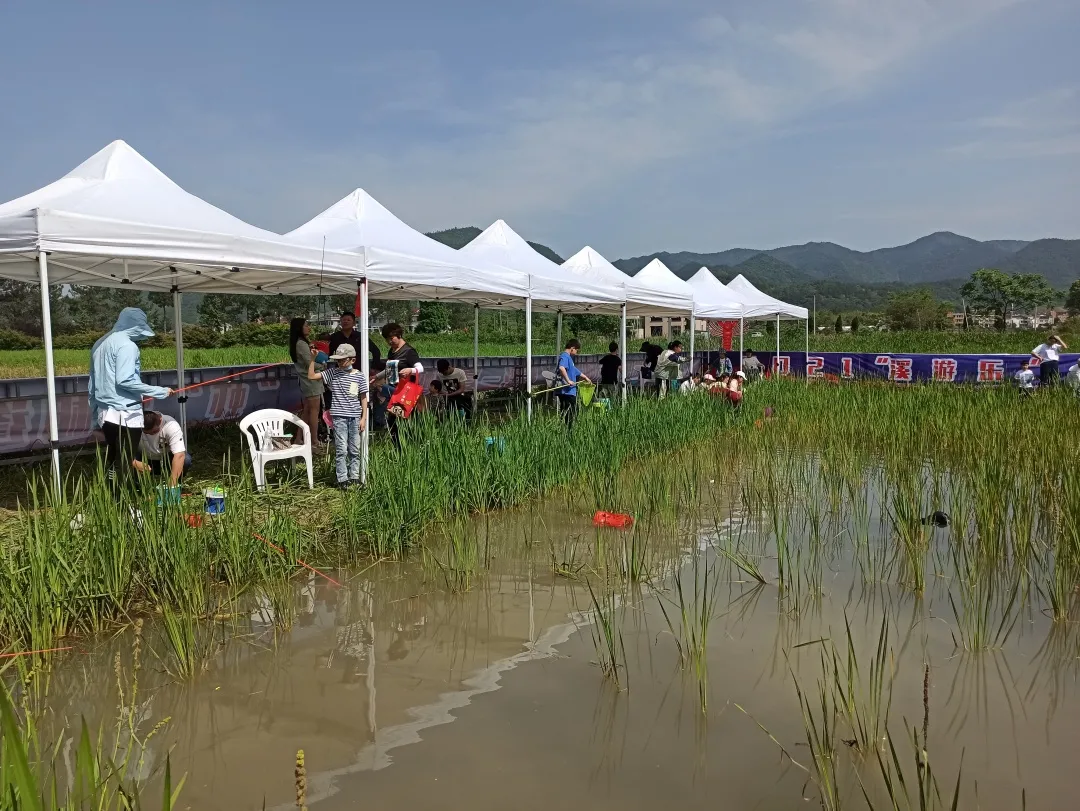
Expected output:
(139, 440)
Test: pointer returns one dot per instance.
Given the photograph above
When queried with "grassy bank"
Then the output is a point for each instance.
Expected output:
(83, 565)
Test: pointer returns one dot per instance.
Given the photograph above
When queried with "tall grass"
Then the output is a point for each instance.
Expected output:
(97, 557)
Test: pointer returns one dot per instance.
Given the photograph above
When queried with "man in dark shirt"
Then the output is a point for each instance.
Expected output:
(610, 365)
(402, 361)
(348, 335)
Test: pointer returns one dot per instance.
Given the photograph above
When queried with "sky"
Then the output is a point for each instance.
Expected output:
(633, 126)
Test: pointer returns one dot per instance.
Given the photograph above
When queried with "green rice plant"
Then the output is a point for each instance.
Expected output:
(188, 646)
(460, 559)
(632, 551)
(607, 635)
(896, 784)
(987, 610)
(864, 705)
(693, 606)
(566, 562)
(819, 717)
(905, 510)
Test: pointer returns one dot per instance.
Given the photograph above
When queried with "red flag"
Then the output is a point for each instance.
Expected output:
(729, 331)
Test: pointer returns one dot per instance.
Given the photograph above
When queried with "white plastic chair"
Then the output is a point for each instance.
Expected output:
(268, 423)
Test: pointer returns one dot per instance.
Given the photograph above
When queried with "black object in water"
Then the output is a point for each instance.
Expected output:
(937, 518)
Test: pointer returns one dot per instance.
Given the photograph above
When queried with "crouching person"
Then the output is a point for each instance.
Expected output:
(162, 448)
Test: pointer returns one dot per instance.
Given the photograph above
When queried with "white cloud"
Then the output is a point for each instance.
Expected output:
(529, 143)
(1044, 125)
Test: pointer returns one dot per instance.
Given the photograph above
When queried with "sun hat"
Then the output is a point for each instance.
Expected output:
(343, 352)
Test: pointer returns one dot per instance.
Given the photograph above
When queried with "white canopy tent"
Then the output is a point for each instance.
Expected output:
(400, 262)
(744, 290)
(117, 221)
(668, 294)
(769, 307)
(713, 299)
(643, 297)
(551, 287)
(671, 295)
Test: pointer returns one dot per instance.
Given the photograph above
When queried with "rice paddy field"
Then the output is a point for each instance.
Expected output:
(22, 363)
(854, 596)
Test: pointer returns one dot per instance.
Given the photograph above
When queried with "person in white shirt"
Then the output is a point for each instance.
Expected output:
(455, 387)
(691, 384)
(1072, 379)
(1025, 378)
(667, 367)
(162, 443)
(1049, 355)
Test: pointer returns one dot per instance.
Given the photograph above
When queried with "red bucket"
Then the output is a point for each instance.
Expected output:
(612, 520)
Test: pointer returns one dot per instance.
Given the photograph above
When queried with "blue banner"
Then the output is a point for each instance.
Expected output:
(899, 368)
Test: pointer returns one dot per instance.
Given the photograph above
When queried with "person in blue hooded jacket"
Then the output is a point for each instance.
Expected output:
(117, 390)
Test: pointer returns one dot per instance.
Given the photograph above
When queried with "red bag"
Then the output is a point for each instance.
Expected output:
(613, 520)
(404, 399)
(321, 346)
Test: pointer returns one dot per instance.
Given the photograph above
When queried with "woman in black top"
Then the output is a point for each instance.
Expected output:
(610, 365)
(401, 361)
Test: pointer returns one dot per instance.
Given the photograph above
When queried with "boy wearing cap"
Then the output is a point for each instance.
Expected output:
(348, 411)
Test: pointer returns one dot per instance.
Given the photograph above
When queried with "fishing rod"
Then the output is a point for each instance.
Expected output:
(223, 377)
(556, 388)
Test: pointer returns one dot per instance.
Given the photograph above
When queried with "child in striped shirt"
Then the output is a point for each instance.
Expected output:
(348, 410)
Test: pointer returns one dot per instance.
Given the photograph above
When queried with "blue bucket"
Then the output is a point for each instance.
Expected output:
(604, 403)
(167, 494)
(495, 443)
(215, 501)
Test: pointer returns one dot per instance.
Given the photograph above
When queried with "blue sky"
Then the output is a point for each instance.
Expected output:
(631, 125)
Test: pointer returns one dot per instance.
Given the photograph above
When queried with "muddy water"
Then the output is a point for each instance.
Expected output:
(404, 694)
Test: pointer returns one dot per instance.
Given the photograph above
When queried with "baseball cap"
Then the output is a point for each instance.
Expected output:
(741, 374)
(344, 351)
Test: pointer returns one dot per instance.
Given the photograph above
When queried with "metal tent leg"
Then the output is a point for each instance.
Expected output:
(528, 357)
(178, 335)
(365, 370)
(622, 347)
(50, 371)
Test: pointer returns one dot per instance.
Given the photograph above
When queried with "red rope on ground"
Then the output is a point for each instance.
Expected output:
(277, 548)
(32, 652)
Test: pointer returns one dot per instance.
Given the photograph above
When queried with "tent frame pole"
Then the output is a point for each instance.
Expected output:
(806, 357)
(742, 329)
(365, 370)
(558, 333)
(178, 338)
(476, 351)
(50, 371)
(693, 325)
(528, 353)
(776, 363)
(622, 347)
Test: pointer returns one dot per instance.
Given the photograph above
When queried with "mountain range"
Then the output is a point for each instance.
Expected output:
(936, 258)
(842, 279)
